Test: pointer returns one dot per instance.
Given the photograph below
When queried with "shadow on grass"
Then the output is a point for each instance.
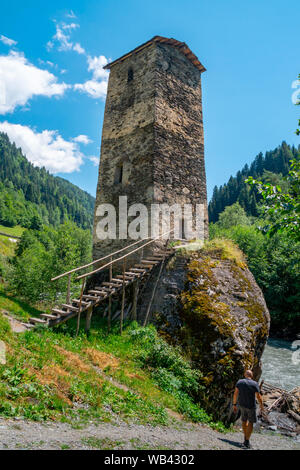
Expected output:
(16, 306)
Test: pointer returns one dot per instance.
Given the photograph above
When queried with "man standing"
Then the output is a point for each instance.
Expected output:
(245, 392)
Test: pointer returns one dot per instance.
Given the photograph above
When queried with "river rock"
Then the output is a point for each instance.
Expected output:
(209, 303)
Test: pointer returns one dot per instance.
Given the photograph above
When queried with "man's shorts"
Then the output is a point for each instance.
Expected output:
(248, 414)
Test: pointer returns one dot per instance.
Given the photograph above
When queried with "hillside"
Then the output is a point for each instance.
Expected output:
(104, 392)
(271, 168)
(51, 374)
(30, 195)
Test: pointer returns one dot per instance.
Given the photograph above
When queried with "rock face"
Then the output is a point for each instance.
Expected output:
(210, 304)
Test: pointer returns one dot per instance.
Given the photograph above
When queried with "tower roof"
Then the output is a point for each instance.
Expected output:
(182, 46)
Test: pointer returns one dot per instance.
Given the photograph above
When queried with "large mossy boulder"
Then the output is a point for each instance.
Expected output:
(210, 303)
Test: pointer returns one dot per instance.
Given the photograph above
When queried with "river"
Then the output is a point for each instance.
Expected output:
(281, 364)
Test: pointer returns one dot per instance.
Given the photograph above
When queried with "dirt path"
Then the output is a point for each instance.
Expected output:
(19, 434)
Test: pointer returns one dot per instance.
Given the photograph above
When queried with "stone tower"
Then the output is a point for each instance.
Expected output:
(152, 148)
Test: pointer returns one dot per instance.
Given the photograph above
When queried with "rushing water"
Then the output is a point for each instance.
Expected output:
(278, 365)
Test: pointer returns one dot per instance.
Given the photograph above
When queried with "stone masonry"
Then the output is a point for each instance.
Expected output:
(152, 148)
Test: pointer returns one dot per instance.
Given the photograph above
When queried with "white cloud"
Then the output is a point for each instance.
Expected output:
(77, 48)
(97, 86)
(93, 88)
(20, 81)
(96, 64)
(46, 148)
(47, 62)
(63, 38)
(49, 45)
(94, 159)
(82, 139)
(7, 41)
(70, 26)
(71, 14)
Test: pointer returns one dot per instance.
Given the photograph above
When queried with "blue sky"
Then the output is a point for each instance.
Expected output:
(52, 85)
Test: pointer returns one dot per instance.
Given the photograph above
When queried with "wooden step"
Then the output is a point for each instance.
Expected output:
(77, 301)
(118, 280)
(38, 320)
(127, 278)
(143, 266)
(147, 261)
(92, 297)
(48, 316)
(114, 284)
(139, 270)
(97, 292)
(28, 325)
(59, 312)
(70, 307)
(108, 290)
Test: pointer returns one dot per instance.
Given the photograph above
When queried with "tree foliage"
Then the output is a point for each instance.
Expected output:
(272, 167)
(30, 196)
(233, 215)
(281, 208)
(42, 255)
(275, 264)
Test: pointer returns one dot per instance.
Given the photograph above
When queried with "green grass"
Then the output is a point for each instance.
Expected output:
(138, 444)
(51, 374)
(15, 307)
(65, 447)
(7, 247)
(227, 249)
(103, 444)
(15, 231)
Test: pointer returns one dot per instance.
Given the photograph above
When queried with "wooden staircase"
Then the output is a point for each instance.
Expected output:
(93, 297)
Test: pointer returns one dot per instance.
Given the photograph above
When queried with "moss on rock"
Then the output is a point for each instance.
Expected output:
(225, 322)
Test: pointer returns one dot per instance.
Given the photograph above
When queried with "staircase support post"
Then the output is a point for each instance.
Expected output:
(69, 289)
(135, 297)
(80, 303)
(88, 319)
(109, 299)
(123, 297)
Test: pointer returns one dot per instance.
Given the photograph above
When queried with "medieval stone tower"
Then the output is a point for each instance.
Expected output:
(152, 147)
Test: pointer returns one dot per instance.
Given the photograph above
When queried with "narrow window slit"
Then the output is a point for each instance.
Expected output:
(119, 174)
(130, 74)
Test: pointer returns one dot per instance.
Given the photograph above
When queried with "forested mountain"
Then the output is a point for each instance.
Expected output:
(270, 168)
(30, 195)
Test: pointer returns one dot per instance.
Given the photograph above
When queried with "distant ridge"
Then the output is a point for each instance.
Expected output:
(235, 190)
(30, 195)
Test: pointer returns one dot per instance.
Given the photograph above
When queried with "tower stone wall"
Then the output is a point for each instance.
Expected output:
(152, 134)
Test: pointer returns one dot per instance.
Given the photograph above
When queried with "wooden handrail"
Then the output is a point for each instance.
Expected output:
(122, 257)
(97, 260)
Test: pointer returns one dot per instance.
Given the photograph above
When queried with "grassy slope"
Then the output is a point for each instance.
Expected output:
(51, 374)
(7, 247)
(15, 307)
(15, 231)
